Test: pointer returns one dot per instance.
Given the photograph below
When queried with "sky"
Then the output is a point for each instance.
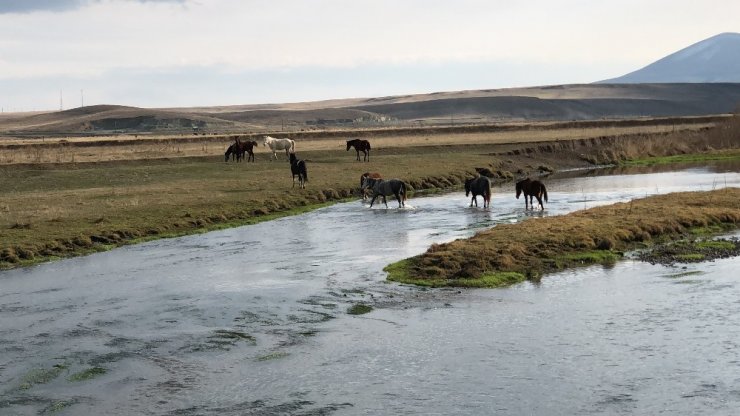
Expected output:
(181, 53)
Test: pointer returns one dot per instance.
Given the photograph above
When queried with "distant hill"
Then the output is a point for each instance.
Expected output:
(716, 59)
(556, 103)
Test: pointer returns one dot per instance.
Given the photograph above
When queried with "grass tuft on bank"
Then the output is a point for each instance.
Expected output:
(509, 253)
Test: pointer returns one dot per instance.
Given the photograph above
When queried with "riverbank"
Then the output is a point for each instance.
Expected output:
(511, 253)
(56, 210)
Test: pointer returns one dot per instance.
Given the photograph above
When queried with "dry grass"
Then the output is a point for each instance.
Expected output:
(130, 147)
(535, 247)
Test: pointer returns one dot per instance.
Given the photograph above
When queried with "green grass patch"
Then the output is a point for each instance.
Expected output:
(715, 245)
(731, 155)
(490, 280)
(587, 258)
(359, 309)
(690, 257)
(41, 376)
(88, 374)
(273, 356)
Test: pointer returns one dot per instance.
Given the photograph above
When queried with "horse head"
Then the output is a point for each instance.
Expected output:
(468, 185)
(349, 144)
(266, 140)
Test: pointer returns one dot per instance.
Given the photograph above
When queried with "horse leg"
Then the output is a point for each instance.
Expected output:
(385, 201)
(373, 199)
(539, 199)
(358, 155)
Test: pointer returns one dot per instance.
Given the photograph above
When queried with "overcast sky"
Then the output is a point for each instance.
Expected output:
(174, 53)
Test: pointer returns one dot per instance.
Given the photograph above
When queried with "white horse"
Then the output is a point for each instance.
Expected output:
(279, 144)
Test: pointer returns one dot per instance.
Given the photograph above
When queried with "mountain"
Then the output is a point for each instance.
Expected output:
(716, 59)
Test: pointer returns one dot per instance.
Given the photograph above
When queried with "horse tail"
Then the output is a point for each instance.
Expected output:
(403, 191)
(488, 192)
(544, 191)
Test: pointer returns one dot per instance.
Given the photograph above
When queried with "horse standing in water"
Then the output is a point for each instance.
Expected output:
(360, 146)
(298, 168)
(384, 188)
(279, 144)
(363, 186)
(479, 186)
(531, 189)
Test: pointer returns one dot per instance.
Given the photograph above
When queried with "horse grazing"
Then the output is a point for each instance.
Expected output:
(384, 188)
(279, 144)
(233, 152)
(363, 187)
(479, 186)
(238, 149)
(298, 168)
(360, 146)
(531, 189)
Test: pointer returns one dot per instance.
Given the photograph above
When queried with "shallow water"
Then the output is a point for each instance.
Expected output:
(253, 320)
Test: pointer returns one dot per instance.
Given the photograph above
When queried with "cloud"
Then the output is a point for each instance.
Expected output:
(30, 6)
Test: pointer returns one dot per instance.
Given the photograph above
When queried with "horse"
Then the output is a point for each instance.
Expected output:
(298, 167)
(531, 189)
(384, 188)
(233, 152)
(279, 144)
(363, 188)
(247, 147)
(360, 146)
(479, 186)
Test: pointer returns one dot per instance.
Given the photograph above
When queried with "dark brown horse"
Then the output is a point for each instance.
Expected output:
(479, 186)
(248, 148)
(531, 189)
(298, 168)
(360, 146)
(364, 188)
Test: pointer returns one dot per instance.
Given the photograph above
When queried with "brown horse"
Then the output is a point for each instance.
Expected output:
(360, 146)
(363, 185)
(246, 147)
(531, 189)
(239, 148)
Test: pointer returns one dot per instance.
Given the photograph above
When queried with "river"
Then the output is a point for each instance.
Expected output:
(254, 320)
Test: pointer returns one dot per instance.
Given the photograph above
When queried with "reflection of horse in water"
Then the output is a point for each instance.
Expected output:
(279, 144)
(531, 189)
(360, 146)
(238, 149)
(479, 186)
(298, 168)
(363, 185)
(383, 188)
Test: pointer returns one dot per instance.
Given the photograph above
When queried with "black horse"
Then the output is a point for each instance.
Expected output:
(479, 186)
(531, 189)
(360, 146)
(383, 188)
(233, 152)
(298, 168)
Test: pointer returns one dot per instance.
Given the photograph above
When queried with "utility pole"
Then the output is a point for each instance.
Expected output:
(61, 106)
(82, 99)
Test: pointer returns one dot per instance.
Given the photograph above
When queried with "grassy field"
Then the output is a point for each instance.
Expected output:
(50, 210)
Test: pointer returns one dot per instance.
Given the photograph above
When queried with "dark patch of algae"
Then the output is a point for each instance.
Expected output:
(510, 253)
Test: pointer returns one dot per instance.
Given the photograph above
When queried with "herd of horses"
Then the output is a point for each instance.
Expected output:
(373, 182)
